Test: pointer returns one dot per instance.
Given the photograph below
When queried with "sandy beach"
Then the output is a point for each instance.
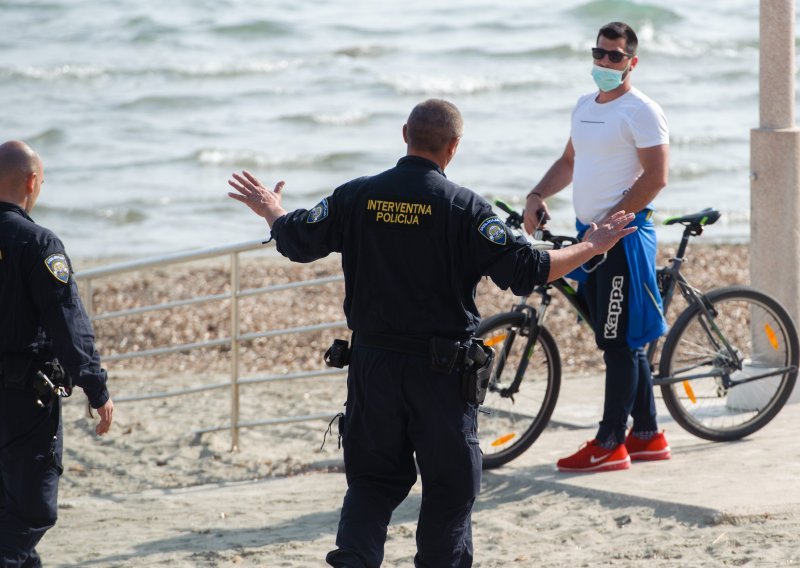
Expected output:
(153, 493)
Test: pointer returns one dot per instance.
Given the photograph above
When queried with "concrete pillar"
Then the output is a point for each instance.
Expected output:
(775, 164)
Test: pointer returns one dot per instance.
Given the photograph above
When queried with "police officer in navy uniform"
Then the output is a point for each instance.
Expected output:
(414, 246)
(46, 343)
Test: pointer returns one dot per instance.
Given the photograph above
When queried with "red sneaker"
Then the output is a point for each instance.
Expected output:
(593, 457)
(656, 448)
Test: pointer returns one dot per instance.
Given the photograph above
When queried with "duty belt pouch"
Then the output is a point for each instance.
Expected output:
(16, 372)
(444, 353)
(477, 371)
(338, 354)
(56, 373)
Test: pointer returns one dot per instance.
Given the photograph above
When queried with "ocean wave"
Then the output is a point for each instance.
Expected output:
(252, 159)
(66, 71)
(145, 29)
(692, 171)
(209, 70)
(117, 215)
(253, 28)
(558, 51)
(465, 85)
(169, 102)
(31, 4)
(49, 136)
(347, 118)
(362, 51)
(704, 140)
(626, 10)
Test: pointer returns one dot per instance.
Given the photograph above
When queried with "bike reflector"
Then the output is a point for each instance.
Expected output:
(492, 341)
(773, 339)
(689, 392)
(503, 439)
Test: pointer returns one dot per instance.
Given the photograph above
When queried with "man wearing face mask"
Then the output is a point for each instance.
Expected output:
(617, 157)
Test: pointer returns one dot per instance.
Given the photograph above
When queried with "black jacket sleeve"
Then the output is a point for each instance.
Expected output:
(308, 235)
(65, 321)
(508, 259)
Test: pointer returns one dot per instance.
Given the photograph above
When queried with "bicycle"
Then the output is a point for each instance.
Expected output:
(727, 366)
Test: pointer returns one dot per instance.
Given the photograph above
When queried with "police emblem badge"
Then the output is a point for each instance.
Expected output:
(319, 212)
(58, 267)
(494, 230)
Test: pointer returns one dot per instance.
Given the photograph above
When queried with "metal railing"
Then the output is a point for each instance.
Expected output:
(87, 279)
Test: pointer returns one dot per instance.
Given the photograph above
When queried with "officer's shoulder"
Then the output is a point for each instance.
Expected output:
(42, 239)
(351, 188)
(462, 197)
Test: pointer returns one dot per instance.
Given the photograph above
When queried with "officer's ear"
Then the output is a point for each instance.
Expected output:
(453, 146)
(30, 183)
(405, 133)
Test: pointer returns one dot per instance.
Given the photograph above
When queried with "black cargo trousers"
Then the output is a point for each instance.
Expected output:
(31, 446)
(397, 407)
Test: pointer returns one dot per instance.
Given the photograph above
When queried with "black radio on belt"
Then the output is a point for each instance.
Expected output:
(338, 354)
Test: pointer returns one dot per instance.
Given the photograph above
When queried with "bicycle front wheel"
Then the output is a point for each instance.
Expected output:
(508, 423)
(738, 366)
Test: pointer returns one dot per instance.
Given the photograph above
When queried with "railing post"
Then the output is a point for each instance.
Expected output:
(234, 351)
(88, 303)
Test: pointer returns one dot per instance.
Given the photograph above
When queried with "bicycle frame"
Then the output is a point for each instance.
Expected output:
(671, 277)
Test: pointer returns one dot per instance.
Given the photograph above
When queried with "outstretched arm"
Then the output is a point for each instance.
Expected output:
(264, 202)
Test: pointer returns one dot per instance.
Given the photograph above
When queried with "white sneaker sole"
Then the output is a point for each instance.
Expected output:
(652, 455)
(603, 466)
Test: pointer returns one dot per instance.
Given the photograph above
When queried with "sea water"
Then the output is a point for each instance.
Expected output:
(142, 109)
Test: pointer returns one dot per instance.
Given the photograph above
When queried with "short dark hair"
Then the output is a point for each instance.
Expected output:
(616, 30)
(433, 124)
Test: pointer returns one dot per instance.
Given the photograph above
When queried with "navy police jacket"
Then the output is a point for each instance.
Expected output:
(414, 246)
(41, 314)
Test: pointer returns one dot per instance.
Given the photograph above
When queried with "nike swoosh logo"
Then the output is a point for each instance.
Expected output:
(594, 460)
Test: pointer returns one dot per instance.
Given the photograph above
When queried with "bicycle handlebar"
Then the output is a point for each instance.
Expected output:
(515, 220)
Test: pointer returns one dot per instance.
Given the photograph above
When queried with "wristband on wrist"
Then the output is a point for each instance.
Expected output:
(536, 193)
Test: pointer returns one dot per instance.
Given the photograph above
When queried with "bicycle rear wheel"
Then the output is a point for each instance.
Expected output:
(509, 424)
(723, 405)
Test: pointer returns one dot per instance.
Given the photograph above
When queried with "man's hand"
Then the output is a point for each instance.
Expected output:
(264, 202)
(597, 240)
(611, 229)
(536, 213)
(105, 412)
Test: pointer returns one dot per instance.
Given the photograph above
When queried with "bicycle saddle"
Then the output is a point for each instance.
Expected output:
(707, 216)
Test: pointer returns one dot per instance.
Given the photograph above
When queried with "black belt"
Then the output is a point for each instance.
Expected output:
(398, 343)
(443, 354)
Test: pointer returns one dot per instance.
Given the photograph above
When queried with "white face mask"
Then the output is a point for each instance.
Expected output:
(608, 79)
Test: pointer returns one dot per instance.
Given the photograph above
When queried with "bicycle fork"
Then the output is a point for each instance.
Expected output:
(529, 329)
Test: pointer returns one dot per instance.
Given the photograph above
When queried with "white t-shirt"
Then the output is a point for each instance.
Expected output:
(605, 138)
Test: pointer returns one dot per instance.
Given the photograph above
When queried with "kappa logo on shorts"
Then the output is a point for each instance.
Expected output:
(319, 212)
(58, 266)
(494, 230)
(614, 308)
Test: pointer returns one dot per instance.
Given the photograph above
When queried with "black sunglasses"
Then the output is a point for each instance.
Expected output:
(613, 56)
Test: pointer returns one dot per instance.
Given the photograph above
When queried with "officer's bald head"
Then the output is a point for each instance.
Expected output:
(433, 125)
(21, 174)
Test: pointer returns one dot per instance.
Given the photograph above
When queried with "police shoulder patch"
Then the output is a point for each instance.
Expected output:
(319, 212)
(494, 230)
(58, 266)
